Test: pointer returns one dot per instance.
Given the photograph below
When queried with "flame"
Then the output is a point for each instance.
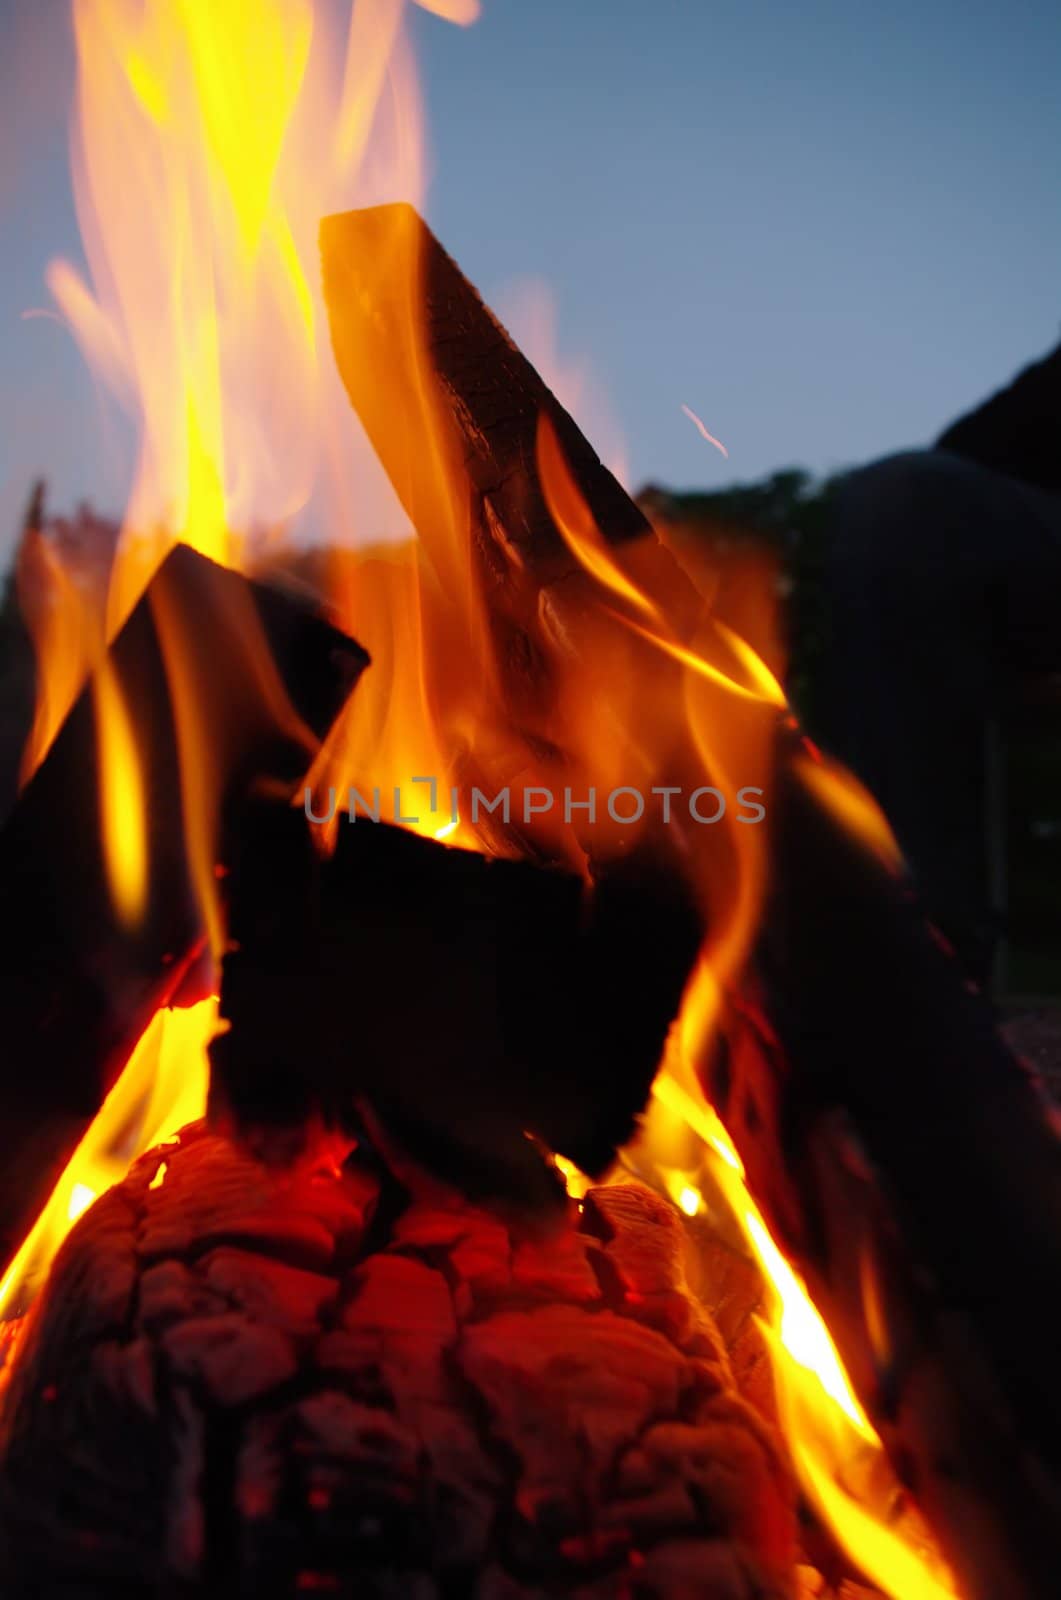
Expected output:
(62, 617)
(833, 1444)
(729, 691)
(209, 140)
(162, 1088)
(574, 520)
(121, 798)
(851, 803)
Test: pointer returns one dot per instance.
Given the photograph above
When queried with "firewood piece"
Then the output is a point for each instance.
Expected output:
(886, 1131)
(731, 1286)
(407, 1439)
(912, 1172)
(467, 1000)
(561, 1266)
(233, 1358)
(76, 987)
(452, 409)
(317, 1224)
(288, 1297)
(641, 1261)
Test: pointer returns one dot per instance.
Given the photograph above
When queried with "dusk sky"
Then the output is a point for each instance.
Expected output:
(826, 227)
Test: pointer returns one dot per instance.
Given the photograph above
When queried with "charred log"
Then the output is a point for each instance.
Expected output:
(244, 1384)
(910, 1167)
(890, 1136)
(77, 986)
(453, 408)
(462, 1001)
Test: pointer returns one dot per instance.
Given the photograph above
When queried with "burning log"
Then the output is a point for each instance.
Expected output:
(78, 984)
(899, 1152)
(459, 444)
(251, 1384)
(462, 1001)
(910, 1166)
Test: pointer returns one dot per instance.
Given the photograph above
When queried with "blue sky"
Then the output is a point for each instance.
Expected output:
(827, 227)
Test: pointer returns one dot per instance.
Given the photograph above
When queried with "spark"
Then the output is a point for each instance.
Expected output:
(695, 420)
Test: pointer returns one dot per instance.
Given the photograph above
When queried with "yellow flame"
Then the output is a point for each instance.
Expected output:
(122, 800)
(764, 686)
(81, 1197)
(852, 805)
(825, 1427)
(828, 1428)
(887, 1558)
(210, 139)
(574, 1178)
(162, 1088)
(576, 524)
(207, 142)
(701, 1117)
(801, 1330)
(67, 640)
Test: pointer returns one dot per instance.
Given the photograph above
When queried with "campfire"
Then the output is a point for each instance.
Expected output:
(485, 1113)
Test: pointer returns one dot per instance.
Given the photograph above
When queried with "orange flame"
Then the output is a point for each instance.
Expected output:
(122, 807)
(826, 1426)
(832, 1442)
(162, 1088)
(209, 141)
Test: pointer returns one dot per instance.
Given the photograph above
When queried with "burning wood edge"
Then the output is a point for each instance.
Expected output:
(459, 444)
(77, 985)
(473, 420)
(466, 1002)
(910, 1167)
(244, 1381)
(894, 1144)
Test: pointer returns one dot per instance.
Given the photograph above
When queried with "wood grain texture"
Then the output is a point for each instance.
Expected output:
(453, 408)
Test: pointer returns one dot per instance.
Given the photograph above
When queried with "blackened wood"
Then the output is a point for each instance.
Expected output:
(76, 986)
(467, 1000)
(453, 408)
(886, 1130)
(911, 1170)
(424, 1402)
